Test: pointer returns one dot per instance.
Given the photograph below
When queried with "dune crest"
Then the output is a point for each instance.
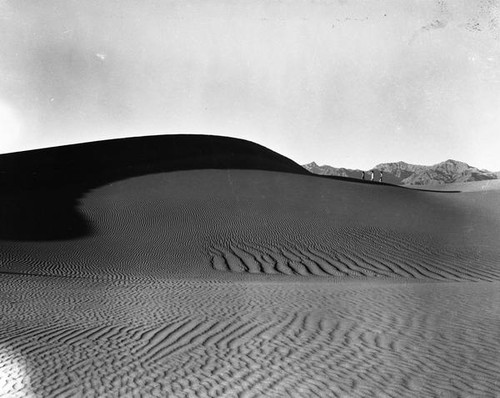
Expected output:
(41, 188)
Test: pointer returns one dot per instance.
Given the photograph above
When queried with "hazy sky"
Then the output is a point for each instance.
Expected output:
(345, 82)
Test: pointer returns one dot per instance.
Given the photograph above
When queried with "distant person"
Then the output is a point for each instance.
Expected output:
(363, 175)
(381, 176)
(372, 177)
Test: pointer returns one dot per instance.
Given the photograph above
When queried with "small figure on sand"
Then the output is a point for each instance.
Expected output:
(372, 175)
(363, 175)
(381, 176)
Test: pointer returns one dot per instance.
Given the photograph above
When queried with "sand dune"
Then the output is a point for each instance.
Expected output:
(40, 188)
(236, 283)
(194, 222)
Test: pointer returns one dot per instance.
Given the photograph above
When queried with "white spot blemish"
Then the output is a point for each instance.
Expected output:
(13, 378)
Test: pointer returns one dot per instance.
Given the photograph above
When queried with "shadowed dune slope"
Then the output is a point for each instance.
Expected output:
(40, 188)
(232, 223)
(96, 163)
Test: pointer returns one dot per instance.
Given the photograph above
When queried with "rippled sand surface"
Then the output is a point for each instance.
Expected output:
(185, 338)
(247, 284)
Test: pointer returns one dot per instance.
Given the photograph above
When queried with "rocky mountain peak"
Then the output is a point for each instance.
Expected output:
(404, 173)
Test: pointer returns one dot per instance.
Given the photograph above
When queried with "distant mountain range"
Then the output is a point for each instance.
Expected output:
(410, 174)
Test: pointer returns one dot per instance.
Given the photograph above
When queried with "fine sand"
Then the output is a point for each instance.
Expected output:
(249, 283)
(473, 186)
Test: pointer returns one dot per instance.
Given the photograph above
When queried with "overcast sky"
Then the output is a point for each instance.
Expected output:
(344, 82)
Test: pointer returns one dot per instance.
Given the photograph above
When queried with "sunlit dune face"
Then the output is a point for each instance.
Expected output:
(10, 127)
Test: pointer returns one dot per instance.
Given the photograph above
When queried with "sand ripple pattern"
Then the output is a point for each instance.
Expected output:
(350, 252)
(196, 339)
(246, 222)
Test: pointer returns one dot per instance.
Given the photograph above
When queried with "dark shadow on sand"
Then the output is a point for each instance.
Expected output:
(41, 214)
(40, 189)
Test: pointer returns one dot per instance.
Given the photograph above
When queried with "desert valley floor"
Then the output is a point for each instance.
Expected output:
(251, 283)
